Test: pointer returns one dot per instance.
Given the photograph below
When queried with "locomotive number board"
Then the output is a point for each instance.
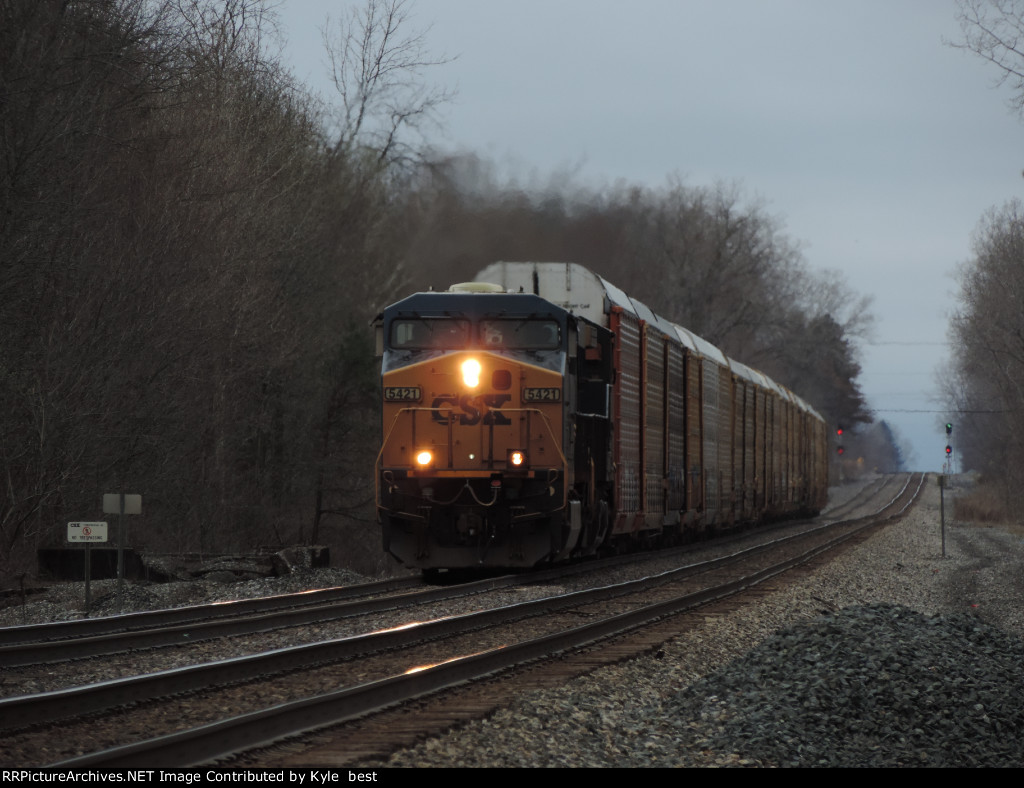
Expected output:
(402, 394)
(542, 395)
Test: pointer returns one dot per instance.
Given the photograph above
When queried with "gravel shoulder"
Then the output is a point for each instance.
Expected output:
(929, 672)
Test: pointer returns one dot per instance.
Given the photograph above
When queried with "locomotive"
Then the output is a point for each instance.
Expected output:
(539, 414)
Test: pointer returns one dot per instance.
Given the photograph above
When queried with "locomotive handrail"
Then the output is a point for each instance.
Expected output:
(383, 445)
(394, 423)
(551, 434)
(558, 447)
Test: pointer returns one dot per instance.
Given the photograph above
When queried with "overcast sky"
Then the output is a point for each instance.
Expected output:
(877, 146)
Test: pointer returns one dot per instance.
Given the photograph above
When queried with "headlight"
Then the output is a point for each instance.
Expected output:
(424, 458)
(471, 373)
(516, 458)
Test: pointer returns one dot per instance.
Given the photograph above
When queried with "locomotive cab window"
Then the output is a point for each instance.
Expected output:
(520, 334)
(429, 333)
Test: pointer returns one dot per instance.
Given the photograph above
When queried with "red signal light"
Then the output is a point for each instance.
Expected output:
(949, 450)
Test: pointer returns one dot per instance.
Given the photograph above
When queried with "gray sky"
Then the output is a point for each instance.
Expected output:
(878, 147)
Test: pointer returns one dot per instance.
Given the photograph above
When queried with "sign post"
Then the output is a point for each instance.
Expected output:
(121, 504)
(88, 533)
(942, 511)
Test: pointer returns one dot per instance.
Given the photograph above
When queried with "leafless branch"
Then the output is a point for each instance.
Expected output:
(377, 70)
(994, 30)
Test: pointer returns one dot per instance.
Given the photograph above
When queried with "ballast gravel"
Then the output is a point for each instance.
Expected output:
(893, 655)
(876, 685)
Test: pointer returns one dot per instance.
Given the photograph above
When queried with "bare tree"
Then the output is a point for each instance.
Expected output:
(221, 34)
(994, 30)
(377, 68)
(702, 257)
(712, 263)
(986, 386)
(985, 383)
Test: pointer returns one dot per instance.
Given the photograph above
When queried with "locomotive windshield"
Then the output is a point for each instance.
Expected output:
(430, 333)
(520, 334)
(454, 334)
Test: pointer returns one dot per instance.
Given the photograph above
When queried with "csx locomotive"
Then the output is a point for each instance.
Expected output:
(539, 413)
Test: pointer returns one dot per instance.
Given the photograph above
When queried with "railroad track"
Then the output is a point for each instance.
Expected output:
(458, 649)
(85, 639)
(90, 638)
(868, 493)
(83, 628)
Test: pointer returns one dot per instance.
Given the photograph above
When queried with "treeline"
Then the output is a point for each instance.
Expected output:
(984, 383)
(189, 264)
(699, 256)
(192, 247)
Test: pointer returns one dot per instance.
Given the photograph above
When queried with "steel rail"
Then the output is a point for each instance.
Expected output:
(23, 654)
(247, 731)
(88, 638)
(106, 625)
(864, 494)
(47, 707)
(247, 616)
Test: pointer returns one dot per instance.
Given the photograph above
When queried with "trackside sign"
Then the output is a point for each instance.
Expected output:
(87, 532)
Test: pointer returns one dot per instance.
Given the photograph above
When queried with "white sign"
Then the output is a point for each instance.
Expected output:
(87, 532)
(112, 504)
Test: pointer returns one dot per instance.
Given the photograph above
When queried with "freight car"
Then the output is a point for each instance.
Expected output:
(540, 413)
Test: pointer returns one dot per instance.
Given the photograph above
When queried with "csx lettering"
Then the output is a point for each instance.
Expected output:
(475, 408)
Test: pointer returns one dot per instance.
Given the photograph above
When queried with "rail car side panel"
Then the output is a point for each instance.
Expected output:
(802, 460)
(787, 454)
(655, 445)
(711, 422)
(693, 395)
(794, 469)
(627, 399)
(748, 509)
(676, 428)
(797, 483)
(760, 450)
(728, 475)
(820, 442)
(771, 441)
(736, 443)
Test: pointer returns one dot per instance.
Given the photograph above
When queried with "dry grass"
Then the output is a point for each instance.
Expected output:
(980, 506)
(986, 504)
